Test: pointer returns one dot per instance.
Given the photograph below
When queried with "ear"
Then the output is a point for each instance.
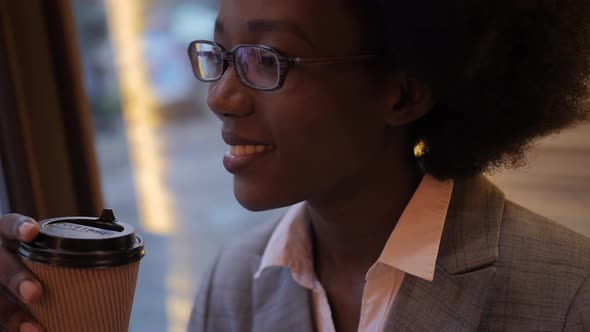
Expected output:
(410, 100)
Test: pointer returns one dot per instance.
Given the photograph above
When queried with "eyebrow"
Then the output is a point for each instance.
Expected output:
(265, 25)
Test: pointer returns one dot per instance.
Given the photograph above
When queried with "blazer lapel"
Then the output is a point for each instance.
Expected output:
(448, 303)
(280, 303)
(456, 298)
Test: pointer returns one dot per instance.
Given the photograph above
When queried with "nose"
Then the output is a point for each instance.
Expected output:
(228, 98)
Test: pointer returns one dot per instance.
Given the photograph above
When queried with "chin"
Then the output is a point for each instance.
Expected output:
(255, 200)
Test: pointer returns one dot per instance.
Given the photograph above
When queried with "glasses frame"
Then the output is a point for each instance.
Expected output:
(286, 62)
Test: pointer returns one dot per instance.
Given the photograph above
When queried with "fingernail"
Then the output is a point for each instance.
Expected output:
(25, 228)
(29, 291)
(29, 327)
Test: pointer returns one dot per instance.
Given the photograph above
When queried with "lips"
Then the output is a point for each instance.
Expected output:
(243, 152)
(234, 139)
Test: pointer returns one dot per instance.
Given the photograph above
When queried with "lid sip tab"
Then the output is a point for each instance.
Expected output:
(107, 215)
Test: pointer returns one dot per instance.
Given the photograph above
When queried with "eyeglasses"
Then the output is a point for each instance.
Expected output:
(258, 67)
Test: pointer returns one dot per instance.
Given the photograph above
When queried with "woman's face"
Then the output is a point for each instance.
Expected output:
(325, 125)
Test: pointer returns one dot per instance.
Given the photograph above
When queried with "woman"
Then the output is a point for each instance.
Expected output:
(374, 120)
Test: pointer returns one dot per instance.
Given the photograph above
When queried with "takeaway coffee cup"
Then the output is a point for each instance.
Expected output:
(88, 268)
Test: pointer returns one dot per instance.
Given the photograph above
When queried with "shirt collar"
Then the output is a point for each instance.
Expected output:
(290, 246)
(412, 246)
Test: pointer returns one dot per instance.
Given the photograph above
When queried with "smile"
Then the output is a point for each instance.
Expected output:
(243, 150)
(241, 157)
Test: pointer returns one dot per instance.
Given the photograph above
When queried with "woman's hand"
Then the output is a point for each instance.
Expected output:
(18, 286)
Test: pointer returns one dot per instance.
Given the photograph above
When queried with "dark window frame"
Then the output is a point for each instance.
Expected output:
(46, 142)
(4, 203)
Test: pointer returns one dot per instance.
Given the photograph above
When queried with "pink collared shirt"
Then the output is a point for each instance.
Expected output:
(411, 248)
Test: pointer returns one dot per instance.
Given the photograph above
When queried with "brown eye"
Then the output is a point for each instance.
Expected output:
(257, 66)
(267, 60)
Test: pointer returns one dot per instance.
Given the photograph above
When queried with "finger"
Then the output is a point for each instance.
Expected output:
(11, 245)
(14, 321)
(8, 314)
(20, 322)
(28, 326)
(17, 279)
(18, 227)
(15, 317)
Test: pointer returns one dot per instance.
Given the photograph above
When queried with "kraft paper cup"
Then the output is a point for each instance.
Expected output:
(88, 268)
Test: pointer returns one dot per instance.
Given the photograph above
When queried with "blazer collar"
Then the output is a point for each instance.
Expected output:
(472, 229)
(279, 302)
(456, 298)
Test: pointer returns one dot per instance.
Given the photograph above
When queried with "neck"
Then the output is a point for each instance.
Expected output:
(352, 223)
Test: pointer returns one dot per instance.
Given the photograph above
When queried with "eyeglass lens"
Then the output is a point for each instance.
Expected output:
(207, 61)
(256, 66)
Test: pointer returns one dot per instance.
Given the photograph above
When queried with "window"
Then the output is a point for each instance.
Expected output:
(158, 147)
(45, 143)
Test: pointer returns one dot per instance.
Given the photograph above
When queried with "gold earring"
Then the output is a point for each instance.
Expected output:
(420, 148)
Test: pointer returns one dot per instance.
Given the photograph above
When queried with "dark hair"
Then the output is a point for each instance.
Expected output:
(504, 73)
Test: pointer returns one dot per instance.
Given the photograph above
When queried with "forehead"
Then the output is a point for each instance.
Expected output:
(329, 24)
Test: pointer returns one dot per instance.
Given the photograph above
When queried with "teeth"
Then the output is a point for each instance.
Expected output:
(241, 150)
(249, 149)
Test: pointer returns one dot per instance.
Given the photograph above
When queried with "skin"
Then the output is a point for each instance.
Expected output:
(341, 137)
(15, 278)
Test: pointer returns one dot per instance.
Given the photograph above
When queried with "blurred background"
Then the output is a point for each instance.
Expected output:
(159, 148)
(159, 151)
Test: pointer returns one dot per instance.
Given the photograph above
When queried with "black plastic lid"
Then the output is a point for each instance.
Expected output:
(84, 242)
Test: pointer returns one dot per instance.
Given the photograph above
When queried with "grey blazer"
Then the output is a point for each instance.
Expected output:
(500, 268)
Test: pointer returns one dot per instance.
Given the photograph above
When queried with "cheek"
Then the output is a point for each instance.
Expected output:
(335, 120)
(324, 136)
(331, 137)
